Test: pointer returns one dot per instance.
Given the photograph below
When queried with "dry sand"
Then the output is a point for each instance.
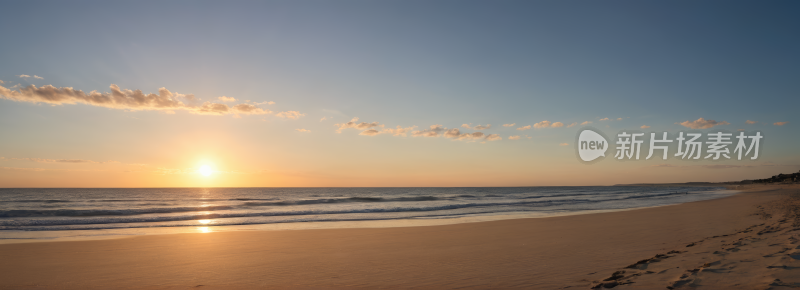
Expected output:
(741, 242)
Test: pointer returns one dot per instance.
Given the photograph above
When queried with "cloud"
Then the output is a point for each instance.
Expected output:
(604, 119)
(750, 122)
(563, 144)
(40, 160)
(702, 124)
(457, 135)
(248, 109)
(509, 125)
(44, 160)
(124, 100)
(544, 124)
(294, 115)
(586, 122)
(558, 125)
(399, 131)
(524, 128)
(355, 125)
(493, 137)
(303, 130)
(514, 137)
(663, 165)
(323, 119)
(227, 99)
(644, 127)
(721, 166)
(24, 76)
(265, 103)
(370, 132)
(740, 130)
(434, 131)
(38, 77)
(479, 127)
(619, 119)
(2, 82)
(572, 125)
(780, 123)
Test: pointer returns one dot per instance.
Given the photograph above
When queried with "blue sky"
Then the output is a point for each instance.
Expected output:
(406, 63)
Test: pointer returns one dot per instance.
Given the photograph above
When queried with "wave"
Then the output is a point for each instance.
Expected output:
(168, 210)
(38, 222)
(342, 200)
(39, 200)
(103, 212)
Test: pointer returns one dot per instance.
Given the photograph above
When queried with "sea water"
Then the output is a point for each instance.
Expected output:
(47, 214)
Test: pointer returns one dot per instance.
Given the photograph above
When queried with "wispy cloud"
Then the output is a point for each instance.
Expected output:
(27, 76)
(663, 165)
(125, 100)
(572, 125)
(323, 119)
(780, 123)
(586, 123)
(619, 119)
(513, 137)
(604, 119)
(724, 166)
(44, 160)
(523, 128)
(399, 131)
(227, 99)
(433, 131)
(750, 122)
(509, 125)
(479, 127)
(563, 144)
(294, 115)
(355, 125)
(546, 124)
(702, 124)
(644, 127)
(303, 130)
(456, 134)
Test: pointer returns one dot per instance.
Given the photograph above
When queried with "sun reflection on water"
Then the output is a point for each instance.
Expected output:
(204, 229)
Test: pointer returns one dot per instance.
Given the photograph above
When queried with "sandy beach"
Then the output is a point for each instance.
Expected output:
(744, 241)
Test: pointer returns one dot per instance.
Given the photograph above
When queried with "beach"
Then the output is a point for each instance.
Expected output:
(745, 241)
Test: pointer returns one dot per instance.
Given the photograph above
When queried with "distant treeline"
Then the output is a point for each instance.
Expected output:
(780, 178)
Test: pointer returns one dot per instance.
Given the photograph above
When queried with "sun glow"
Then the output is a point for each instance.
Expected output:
(205, 170)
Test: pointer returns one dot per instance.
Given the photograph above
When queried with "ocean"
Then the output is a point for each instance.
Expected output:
(73, 213)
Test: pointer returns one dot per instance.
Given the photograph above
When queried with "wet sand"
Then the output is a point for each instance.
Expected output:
(746, 241)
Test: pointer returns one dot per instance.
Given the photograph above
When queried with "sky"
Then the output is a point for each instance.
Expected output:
(371, 93)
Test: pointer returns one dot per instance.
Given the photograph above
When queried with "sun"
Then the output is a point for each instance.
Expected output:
(205, 170)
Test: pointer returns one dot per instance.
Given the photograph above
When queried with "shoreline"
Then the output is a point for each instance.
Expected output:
(21, 236)
(551, 253)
